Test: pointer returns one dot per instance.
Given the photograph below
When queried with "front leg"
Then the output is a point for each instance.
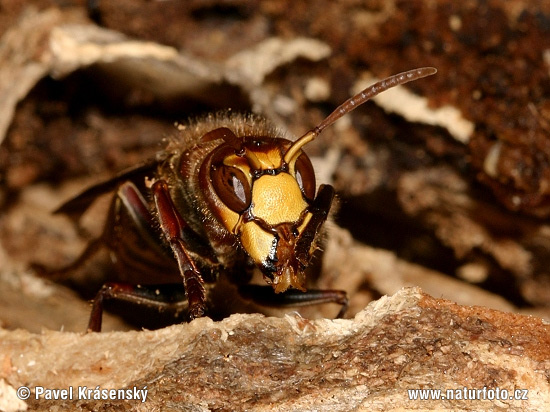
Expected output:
(265, 296)
(173, 226)
(169, 296)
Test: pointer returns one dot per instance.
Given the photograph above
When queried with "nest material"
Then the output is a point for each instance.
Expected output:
(252, 362)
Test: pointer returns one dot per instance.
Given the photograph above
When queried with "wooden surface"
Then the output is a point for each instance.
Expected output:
(250, 362)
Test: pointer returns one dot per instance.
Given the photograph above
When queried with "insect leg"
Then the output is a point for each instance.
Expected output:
(319, 210)
(131, 209)
(173, 226)
(264, 295)
(158, 296)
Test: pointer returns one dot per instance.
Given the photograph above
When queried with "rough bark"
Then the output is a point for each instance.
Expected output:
(250, 362)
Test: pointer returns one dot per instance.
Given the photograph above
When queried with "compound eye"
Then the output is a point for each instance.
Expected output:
(231, 187)
(305, 176)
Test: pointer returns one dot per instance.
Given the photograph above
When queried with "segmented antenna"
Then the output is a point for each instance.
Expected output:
(356, 101)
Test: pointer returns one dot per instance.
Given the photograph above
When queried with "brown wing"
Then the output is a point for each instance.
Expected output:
(75, 207)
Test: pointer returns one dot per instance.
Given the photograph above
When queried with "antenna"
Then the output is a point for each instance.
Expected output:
(356, 101)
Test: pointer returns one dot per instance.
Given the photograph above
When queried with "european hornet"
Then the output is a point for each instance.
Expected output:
(229, 194)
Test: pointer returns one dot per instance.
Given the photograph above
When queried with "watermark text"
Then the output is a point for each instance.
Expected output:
(82, 393)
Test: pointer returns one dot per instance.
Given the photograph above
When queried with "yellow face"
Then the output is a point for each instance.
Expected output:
(277, 204)
(265, 202)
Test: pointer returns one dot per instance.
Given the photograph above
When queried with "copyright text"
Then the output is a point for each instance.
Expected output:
(82, 393)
